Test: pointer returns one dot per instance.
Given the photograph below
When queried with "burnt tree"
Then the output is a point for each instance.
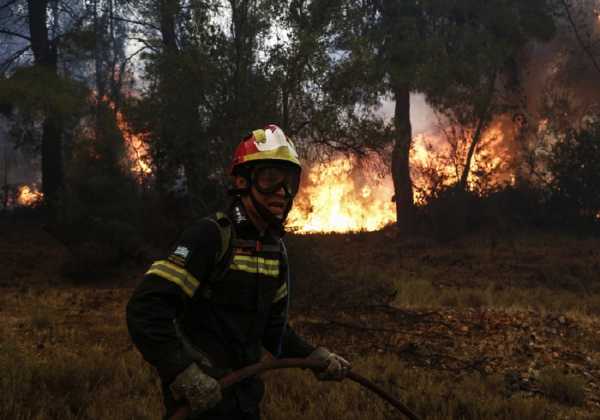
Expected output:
(45, 59)
(405, 208)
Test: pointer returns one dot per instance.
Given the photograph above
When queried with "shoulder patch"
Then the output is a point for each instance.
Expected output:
(182, 251)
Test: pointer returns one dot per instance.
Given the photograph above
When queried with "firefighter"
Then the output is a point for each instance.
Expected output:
(221, 296)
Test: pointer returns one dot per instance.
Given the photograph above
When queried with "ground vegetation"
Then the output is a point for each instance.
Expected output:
(490, 328)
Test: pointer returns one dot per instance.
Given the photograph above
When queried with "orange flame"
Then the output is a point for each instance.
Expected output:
(137, 148)
(136, 145)
(337, 199)
(438, 163)
(29, 196)
(341, 196)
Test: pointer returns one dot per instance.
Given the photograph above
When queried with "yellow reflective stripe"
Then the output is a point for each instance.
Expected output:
(175, 274)
(250, 264)
(254, 260)
(281, 293)
(255, 269)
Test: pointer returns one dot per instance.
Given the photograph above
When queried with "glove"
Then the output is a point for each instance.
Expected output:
(337, 367)
(200, 390)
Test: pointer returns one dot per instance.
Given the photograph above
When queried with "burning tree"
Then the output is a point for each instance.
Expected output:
(214, 70)
(479, 54)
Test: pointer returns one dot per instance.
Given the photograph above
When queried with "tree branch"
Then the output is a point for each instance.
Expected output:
(11, 33)
(136, 22)
(6, 64)
(146, 43)
(582, 44)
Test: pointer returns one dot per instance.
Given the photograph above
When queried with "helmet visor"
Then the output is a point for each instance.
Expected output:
(269, 179)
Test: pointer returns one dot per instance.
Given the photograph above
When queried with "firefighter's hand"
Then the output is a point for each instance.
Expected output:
(201, 391)
(337, 367)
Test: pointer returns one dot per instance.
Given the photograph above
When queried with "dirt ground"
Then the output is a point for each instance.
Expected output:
(445, 313)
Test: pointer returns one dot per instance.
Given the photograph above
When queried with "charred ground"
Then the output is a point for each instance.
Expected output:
(482, 327)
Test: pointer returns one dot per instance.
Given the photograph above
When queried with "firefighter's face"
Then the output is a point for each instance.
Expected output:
(276, 201)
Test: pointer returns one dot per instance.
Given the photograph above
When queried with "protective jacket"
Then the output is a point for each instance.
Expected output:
(224, 289)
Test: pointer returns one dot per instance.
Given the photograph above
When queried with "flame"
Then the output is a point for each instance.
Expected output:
(138, 151)
(137, 148)
(29, 195)
(338, 199)
(342, 196)
(437, 160)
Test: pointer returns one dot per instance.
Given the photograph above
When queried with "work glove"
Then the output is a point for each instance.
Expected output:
(337, 367)
(201, 391)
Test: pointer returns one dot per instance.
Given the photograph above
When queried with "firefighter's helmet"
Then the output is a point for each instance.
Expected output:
(268, 144)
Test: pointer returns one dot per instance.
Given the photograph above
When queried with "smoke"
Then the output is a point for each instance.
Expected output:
(565, 66)
(422, 117)
(18, 166)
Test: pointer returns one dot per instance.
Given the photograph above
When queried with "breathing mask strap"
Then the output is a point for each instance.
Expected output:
(274, 222)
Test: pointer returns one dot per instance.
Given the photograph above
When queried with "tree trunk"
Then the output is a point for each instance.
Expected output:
(405, 208)
(484, 116)
(45, 58)
(474, 142)
(164, 174)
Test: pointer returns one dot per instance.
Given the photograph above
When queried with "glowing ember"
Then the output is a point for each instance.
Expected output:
(29, 196)
(338, 199)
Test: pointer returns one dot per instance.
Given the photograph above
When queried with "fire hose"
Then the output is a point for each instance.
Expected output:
(234, 377)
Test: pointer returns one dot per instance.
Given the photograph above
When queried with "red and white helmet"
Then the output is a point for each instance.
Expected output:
(270, 144)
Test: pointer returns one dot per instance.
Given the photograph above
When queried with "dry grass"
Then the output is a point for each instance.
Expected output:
(82, 367)
(540, 271)
(54, 366)
(65, 352)
(60, 385)
(295, 396)
(421, 293)
(561, 387)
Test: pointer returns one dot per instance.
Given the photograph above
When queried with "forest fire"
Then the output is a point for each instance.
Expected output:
(335, 197)
(28, 195)
(342, 195)
(438, 160)
(136, 147)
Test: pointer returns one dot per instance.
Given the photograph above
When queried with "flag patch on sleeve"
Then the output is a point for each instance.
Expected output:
(182, 251)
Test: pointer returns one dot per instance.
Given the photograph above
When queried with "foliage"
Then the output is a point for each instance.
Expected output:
(102, 206)
(477, 47)
(575, 165)
(35, 90)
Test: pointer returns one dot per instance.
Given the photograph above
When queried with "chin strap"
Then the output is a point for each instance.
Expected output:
(275, 223)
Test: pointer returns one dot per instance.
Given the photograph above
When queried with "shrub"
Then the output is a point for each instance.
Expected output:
(575, 165)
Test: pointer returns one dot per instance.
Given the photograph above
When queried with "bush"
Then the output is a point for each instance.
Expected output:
(575, 166)
(101, 215)
(448, 213)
